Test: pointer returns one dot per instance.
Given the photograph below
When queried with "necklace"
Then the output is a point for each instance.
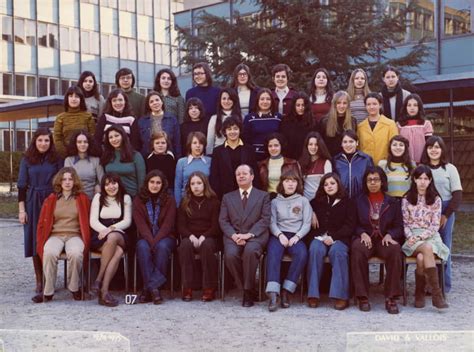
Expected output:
(199, 204)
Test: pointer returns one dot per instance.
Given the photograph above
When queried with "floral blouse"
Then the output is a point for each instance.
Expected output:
(421, 216)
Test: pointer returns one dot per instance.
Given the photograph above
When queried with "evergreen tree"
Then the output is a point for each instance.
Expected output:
(339, 35)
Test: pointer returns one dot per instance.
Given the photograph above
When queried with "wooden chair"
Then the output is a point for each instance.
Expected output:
(218, 254)
(98, 255)
(260, 274)
(412, 261)
(63, 257)
(171, 274)
(287, 259)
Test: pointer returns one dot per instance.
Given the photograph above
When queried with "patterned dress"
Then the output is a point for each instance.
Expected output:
(423, 220)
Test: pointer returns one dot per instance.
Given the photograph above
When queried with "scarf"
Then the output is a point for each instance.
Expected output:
(387, 111)
(153, 214)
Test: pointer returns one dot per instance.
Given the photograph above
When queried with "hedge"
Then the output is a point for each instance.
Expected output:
(5, 166)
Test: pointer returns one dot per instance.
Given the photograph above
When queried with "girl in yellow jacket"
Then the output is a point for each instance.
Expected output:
(376, 130)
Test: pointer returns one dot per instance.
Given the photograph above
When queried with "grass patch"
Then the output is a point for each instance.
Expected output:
(463, 236)
(8, 207)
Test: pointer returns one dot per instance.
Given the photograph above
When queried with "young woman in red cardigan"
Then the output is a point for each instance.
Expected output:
(154, 213)
(63, 226)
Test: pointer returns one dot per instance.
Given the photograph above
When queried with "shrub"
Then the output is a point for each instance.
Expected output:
(5, 166)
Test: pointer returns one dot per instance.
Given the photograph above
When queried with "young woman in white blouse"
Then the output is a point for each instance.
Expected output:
(111, 215)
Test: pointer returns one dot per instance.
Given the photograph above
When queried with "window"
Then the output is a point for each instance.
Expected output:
(20, 85)
(53, 86)
(30, 32)
(43, 87)
(31, 86)
(19, 31)
(64, 38)
(6, 28)
(64, 86)
(47, 35)
(20, 140)
(94, 43)
(42, 34)
(85, 42)
(49, 86)
(6, 141)
(7, 84)
(457, 17)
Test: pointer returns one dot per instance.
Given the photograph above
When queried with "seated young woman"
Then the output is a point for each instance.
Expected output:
(378, 229)
(154, 214)
(336, 221)
(63, 226)
(421, 209)
(290, 222)
(198, 226)
(111, 215)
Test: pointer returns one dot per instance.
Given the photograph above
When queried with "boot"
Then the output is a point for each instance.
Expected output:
(436, 293)
(38, 274)
(420, 284)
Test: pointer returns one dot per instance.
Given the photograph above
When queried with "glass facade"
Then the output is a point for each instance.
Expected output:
(69, 36)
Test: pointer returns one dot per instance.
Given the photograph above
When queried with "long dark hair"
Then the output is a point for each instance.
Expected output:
(261, 91)
(323, 153)
(145, 195)
(92, 150)
(406, 160)
(321, 193)
(147, 101)
(431, 192)
(194, 102)
(78, 91)
(404, 117)
(114, 178)
(280, 138)
(329, 88)
(126, 150)
(220, 112)
(308, 121)
(431, 141)
(235, 82)
(127, 110)
(33, 156)
(207, 71)
(95, 88)
(174, 89)
(208, 192)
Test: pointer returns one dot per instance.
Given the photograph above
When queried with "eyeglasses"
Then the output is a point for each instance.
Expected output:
(199, 73)
(126, 78)
(373, 179)
(243, 74)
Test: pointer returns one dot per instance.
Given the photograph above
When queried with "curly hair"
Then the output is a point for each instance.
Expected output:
(145, 195)
(174, 89)
(92, 150)
(57, 180)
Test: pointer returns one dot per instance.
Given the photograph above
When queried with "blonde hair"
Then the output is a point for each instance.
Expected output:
(57, 180)
(331, 127)
(351, 87)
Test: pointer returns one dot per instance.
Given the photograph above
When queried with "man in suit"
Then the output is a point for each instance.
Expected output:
(226, 158)
(244, 219)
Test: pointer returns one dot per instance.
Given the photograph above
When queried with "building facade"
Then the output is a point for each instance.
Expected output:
(46, 44)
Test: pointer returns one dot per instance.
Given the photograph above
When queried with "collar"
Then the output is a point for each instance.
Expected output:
(241, 191)
(191, 158)
(77, 158)
(238, 145)
(168, 152)
(284, 90)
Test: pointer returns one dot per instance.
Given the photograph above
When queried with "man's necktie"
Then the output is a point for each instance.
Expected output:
(244, 199)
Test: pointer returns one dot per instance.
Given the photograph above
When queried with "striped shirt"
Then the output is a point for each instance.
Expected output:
(398, 179)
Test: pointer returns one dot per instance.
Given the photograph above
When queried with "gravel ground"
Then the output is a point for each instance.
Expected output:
(64, 324)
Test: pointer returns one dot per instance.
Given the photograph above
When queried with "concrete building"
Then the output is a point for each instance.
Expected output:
(46, 44)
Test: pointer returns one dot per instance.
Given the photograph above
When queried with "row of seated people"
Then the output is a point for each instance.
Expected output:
(372, 224)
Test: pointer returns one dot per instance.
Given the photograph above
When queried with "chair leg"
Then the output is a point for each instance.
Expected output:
(260, 276)
(172, 275)
(381, 274)
(89, 260)
(223, 280)
(219, 266)
(135, 273)
(404, 279)
(125, 270)
(65, 273)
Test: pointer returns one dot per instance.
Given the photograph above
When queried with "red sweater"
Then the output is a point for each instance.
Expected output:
(46, 221)
(166, 220)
